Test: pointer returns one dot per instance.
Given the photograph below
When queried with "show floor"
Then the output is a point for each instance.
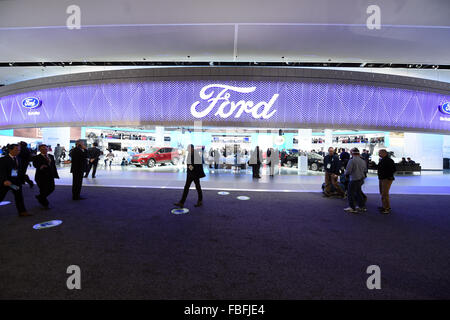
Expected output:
(128, 245)
(171, 177)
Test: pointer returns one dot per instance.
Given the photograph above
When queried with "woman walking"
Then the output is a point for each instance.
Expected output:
(194, 174)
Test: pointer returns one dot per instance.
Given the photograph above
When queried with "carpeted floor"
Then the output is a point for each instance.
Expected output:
(273, 246)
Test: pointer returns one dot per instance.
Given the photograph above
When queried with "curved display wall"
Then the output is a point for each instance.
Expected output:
(257, 101)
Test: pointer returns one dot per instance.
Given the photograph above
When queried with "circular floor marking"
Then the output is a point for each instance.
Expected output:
(223, 193)
(47, 224)
(243, 198)
(4, 203)
(180, 211)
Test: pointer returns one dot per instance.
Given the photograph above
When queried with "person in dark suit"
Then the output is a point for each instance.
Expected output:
(25, 157)
(11, 178)
(46, 174)
(78, 168)
(194, 174)
(93, 154)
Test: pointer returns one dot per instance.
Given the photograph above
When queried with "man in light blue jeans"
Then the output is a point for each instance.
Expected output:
(357, 170)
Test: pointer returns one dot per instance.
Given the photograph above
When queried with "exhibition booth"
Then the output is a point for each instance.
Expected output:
(233, 109)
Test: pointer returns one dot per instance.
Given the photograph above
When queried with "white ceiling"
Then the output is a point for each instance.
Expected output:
(412, 31)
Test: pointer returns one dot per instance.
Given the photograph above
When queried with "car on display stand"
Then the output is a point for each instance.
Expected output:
(155, 156)
(315, 160)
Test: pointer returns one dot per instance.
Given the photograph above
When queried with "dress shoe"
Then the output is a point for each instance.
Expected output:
(25, 214)
(179, 204)
(198, 204)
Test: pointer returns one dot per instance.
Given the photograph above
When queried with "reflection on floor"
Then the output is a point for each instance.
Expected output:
(289, 180)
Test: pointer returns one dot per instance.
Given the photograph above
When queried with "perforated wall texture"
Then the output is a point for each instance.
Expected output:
(260, 103)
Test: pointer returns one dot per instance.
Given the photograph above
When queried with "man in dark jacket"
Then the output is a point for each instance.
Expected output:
(25, 157)
(386, 169)
(283, 157)
(45, 174)
(194, 174)
(345, 157)
(93, 154)
(78, 168)
(332, 166)
(11, 178)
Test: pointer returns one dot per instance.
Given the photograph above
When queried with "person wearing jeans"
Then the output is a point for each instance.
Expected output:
(386, 170)
(357, 170)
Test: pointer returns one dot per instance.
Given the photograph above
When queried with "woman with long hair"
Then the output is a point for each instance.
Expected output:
(194, 174)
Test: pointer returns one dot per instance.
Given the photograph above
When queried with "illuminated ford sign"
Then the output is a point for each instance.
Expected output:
(31, 103)
(226, 107)
(445, 108)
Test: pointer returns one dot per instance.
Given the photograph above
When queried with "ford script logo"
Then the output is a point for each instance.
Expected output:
(218, 96)
(445, 108)
(31, 103)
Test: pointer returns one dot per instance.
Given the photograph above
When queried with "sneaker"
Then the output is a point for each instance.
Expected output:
(385, 211)
(382, 209)
(351, 210)
(362, 209)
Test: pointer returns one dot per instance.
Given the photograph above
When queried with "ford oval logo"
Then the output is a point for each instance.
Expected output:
(445, 108)
(31, 103)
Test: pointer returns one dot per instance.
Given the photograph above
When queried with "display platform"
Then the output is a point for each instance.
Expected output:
(171, 177)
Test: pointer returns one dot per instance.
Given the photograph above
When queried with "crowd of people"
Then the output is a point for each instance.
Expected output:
(338, 163)
(407, 162)
(352, 169)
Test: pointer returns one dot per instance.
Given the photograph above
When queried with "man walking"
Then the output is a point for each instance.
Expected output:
(78, 167)
(357, 170)
(11, 178)
(45, 174)
(255, 162)
(332, 166)
(386, 170)
(93, 154)
(25, 157)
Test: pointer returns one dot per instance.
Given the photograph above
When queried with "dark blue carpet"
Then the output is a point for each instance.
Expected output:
(273, 246)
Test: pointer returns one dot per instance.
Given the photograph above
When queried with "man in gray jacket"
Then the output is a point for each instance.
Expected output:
(357, 170)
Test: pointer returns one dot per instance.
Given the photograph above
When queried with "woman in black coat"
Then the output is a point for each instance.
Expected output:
(194, 174)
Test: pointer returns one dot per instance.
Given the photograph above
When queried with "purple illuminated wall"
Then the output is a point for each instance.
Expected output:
(299, 104)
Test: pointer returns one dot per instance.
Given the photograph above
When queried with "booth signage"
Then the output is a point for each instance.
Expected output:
(226, 108)
(445, 108)
(218, 102)
(31, 103)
